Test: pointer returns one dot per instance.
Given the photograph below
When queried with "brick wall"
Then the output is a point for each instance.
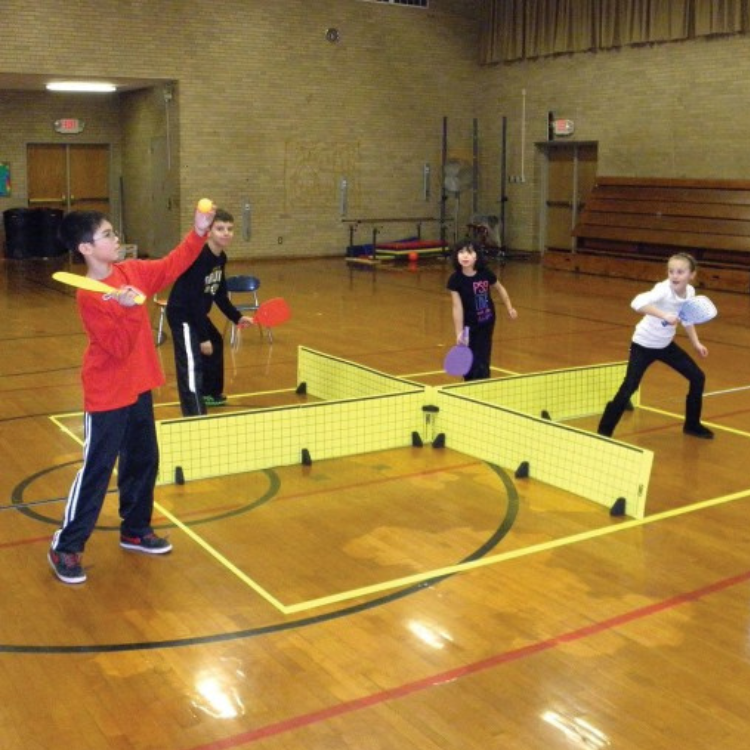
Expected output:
(266, 109)
(669, 110)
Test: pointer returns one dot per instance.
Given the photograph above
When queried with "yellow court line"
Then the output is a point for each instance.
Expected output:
(411, 376)
(162, 404)
(542, 547)
(713, 425)
(526, 551)
(234, 395)
(263, 393)
(451, 569)
(512, 555)
(55, 419)
(727, 391)
(231, 567)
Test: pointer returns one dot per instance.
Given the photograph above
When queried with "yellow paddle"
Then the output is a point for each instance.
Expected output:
(84, 282)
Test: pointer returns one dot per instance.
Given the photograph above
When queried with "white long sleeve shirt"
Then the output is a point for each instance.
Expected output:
(650, 332)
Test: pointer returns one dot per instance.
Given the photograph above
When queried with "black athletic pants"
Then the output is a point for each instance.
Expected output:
(641, 358)
(197, 375)
(480, 343)
(127, 434)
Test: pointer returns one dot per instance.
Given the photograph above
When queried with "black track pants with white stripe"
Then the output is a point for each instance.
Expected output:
(127, 434)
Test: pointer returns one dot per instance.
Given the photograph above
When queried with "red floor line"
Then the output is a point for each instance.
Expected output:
(315, 717)
(23, 542)
(158, 519)
(382, 480)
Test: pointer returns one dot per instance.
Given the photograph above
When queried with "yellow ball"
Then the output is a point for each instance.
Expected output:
(205, 205)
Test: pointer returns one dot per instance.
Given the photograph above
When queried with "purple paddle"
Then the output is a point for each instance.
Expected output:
(459, 359)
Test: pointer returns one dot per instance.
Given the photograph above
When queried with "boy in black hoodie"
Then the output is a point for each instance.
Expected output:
(198, 344)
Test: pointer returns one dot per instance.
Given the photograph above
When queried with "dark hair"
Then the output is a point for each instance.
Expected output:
(687, 257)
(79, 226)
(222, 215)
(467, 243)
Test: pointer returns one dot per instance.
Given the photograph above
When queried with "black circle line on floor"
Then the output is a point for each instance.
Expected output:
(274, 483)
(502, 530)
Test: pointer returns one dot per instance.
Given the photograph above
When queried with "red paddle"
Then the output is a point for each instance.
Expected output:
(272, 313)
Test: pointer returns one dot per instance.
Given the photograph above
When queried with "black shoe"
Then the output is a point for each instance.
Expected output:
(67, 566)
(698, 431)
(149, 543)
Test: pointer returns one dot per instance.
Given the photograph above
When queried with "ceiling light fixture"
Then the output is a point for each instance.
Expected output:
(82, 86)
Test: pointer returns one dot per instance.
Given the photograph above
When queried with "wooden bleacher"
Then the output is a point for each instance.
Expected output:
(630, 226)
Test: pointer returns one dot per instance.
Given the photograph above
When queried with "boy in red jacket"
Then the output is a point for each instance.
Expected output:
(120, 367)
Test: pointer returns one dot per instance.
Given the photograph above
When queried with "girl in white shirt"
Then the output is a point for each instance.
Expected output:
(652, 341)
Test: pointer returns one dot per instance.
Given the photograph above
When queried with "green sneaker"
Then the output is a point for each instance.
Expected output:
(219, 400)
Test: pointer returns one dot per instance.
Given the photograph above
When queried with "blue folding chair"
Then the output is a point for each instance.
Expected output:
(245, 285)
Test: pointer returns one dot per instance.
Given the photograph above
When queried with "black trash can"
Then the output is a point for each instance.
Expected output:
(21, 234)
(48, 223)
(32, 232)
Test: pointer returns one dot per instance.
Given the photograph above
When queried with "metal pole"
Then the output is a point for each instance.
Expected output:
(247, 229)
(503, 180)
(443, 193)
(344, 189)
(475, 169)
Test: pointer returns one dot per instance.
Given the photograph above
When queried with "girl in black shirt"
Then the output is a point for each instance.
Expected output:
(471, 288)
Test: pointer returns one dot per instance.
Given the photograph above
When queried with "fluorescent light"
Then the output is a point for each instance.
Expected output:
(82, 86)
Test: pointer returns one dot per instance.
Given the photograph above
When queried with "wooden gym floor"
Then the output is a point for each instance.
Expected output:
(588, 631)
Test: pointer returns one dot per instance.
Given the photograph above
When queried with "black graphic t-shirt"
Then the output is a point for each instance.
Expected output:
(476, 295)
(198, 288)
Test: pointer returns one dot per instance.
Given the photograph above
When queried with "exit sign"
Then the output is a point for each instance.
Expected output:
(69, 125)
(563, 127)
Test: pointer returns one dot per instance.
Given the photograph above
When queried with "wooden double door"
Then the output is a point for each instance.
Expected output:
(570, 175)
(69, 176)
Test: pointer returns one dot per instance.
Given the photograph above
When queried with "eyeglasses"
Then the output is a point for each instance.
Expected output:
(110, 234)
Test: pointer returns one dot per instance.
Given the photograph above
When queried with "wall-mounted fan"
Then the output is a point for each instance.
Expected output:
(458, 176)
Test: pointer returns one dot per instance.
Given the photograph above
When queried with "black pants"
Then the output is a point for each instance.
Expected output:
(641, 358)
(127, 434)
(198, 375)
(480, 343)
